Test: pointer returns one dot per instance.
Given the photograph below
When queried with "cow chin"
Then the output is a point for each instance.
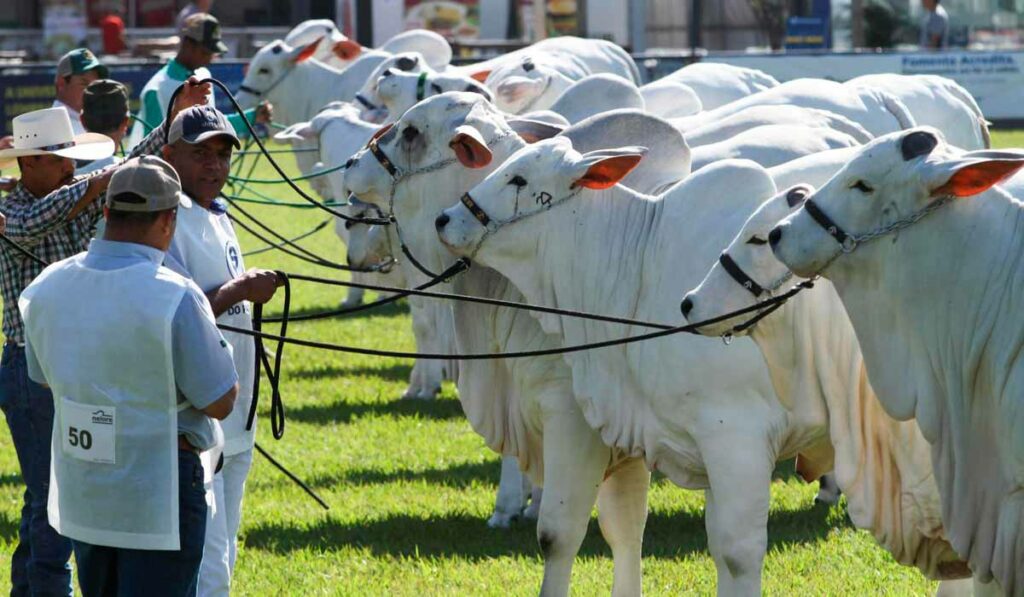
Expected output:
(460, 234)
(804, 247)
(709, 300)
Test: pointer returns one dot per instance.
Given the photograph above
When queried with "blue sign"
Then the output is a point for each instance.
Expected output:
(28, 88)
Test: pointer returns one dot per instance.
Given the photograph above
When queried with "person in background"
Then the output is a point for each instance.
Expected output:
(193, 7)
(200, 42)
(135, 382)
(934, 26)
(51, 213)
(206, 249)
(75, 70)
(105, 111)
(7, 183)
(112, 28)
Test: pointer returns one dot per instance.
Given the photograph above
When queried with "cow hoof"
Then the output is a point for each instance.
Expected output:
(349, 303)
(414, 393)
(532, 512)
(501, 520)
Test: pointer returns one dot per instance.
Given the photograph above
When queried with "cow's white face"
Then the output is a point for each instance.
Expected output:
(519, 87)
(336, 49)
(400, 90)
(267, 70)
(532, 181)
(367, 245)
(893, 178)
(720, 292)
(371, 105)
(453, 127)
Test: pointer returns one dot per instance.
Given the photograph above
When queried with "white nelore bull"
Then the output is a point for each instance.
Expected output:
(534, 77)
(772, 144)
(935, 302)
(719, 84)
(521, 407)
(877, 111)
(766, 115)
(882, 466)
(937, 102)
(339, 51)
(595, 94)
(399, 91)
(556, 224)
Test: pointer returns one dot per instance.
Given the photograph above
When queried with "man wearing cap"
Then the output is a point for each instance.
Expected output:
(52, 214)
(75, 70)
(200, 42)
(105, 111)
(135, 384)
(199, 146)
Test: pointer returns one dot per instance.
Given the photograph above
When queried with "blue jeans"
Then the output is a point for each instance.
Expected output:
(112, 571)
(40, 562)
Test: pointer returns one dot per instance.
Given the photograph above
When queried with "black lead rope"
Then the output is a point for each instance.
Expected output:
(294, 239)
(270, 158)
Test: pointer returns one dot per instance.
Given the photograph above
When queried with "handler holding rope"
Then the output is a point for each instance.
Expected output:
(127, 480)
(205, 247)
(51, 213)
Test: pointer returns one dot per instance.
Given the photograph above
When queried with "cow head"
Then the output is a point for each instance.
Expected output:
(526, 85)
(756, 271)
(267, 70)
(533, 181)
(366, 245)
(893, 178)
(336, 49)
(452, 129)
(369, 100)
(399, 90)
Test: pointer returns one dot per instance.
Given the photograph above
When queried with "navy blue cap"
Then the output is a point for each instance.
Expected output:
(199, 123)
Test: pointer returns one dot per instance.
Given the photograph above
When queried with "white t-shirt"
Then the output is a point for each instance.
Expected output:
(73, 114)
(205, 246)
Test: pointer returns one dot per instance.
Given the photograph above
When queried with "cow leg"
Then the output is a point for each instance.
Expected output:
(828, 490)
(736, 512)
(622, 513)
(425, 380)
(354, 297)
(961, 587)
(511, 499)
(532, 512)
(575, 459)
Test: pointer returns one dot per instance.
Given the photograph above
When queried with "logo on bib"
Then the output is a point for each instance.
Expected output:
(234, 258)
(101, 418)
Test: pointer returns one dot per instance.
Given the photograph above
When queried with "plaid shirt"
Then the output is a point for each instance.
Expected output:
(43, 227)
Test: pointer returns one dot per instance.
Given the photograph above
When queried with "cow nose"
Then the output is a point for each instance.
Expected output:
(775, 236)
(686, 306)
(441, 221)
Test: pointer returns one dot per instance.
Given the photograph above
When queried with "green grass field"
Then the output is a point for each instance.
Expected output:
(410, 485)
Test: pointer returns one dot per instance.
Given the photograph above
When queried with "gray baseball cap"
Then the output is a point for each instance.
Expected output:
(205, 30)
(146, 183)
(199, 123)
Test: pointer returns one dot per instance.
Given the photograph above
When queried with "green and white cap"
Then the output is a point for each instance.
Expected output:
(145, 183)
(78, 61)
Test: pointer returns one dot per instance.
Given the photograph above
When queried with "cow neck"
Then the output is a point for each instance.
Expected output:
(953, 313)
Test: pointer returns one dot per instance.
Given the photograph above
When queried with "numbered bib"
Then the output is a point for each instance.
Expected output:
(88, 431)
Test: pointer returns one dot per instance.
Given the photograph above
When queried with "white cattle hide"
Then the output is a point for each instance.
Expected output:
(399, 91)
(534, 77)
(936, 307)
(339, 51)
(732, 125)
(596, 94)
(522, 407)
(877, 111)
(938, 102)
(719, 84)
(772, 145)
(882, 466)
(670, 99)
(702, 413)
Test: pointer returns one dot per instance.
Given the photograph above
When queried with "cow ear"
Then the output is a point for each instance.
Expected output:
(533, 130)
(480, 76)
(976, 172)
(347, 49)
(297, 132)
(470, 147)
(607, 167)
(307, 52)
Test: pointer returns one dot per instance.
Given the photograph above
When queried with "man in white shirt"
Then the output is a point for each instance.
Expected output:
(75, 70)
(199, 145)
(934, 26)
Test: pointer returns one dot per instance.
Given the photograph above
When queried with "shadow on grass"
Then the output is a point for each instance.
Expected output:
(344, 412)
(668, 535)
(457, 476)
(9, 527)
(10, 479)
(394, 372)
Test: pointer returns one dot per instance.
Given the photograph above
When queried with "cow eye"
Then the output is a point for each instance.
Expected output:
(862, 186)
(756, 240)
(264, 71)
(410, 132)
(436, 88)
(518, 181)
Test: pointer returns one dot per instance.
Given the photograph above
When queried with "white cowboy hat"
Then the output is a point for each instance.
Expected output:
(49, 132)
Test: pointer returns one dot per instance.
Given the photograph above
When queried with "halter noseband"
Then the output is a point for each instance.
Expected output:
(834, 230)
(477, 211)
(421, 86)
(744, 280)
